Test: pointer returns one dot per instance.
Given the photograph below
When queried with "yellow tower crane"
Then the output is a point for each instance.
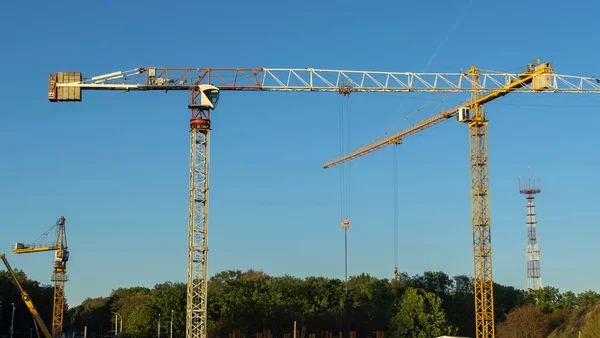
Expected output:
(59, 276)
(205, 84)
(537, 77)
(27, 300)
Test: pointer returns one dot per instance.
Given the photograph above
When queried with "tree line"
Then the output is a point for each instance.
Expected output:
(248, 302)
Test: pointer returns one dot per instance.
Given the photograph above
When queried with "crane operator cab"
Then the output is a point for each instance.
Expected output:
(61, 256)
(463, 114)
(209, 97)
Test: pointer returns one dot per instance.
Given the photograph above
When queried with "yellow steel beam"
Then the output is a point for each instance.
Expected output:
(446, 114)
(26, 299)
(40, 249)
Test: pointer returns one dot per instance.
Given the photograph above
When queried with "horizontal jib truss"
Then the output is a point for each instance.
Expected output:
(324, 80)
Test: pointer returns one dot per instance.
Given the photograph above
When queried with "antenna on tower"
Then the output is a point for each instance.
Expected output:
(530, 188)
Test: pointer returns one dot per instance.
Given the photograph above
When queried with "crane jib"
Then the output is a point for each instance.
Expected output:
(518, 83)
(67, 86)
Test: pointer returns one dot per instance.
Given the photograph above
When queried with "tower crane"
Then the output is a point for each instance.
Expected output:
(27, 300)
(536, 77)
(59, 266)
(205, 84)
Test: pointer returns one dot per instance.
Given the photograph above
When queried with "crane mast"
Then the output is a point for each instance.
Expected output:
(59, 277)
(26, 299)
(59, 272)
(204, 86)
(197, 279)
(480, 222)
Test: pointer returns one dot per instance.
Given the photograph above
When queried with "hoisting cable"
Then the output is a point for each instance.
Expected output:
(345, 122)
(409, 116)
(436, 107)
(44, 235)
(395, 185)
(395, 211)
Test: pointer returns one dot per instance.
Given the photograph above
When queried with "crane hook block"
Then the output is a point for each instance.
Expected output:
(345, 224)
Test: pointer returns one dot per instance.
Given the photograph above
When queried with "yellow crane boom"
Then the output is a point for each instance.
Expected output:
(27, 300)
(520, 81)
(59, 275)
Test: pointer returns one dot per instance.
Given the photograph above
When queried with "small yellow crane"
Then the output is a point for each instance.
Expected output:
(27, 300)
(59, 276)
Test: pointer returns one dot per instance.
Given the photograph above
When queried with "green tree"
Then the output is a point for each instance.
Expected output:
(546, 299)
(569, 301)
(170, 299)
(367, 304)
(420, 315)
(587, 298)
(142, 321)
(251, 301)
(127, 302)
(325, 304)
(507, 298)
(434, 281)
(460, 307)
(41, 295)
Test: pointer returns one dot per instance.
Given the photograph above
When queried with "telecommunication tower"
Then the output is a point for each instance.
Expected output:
(534, 276)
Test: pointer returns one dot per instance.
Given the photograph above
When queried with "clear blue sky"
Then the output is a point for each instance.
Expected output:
(116, 166)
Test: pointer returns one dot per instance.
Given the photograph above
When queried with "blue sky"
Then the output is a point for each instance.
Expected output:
(116, 166)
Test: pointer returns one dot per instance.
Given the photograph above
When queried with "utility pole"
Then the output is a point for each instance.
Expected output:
(158, 333)
(171, 333)
(12, 321)
(117, 328)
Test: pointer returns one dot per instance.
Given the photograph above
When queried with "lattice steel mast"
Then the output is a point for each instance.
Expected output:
(59, 277)
(197, 279)
(480, 199)
(534, 274)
